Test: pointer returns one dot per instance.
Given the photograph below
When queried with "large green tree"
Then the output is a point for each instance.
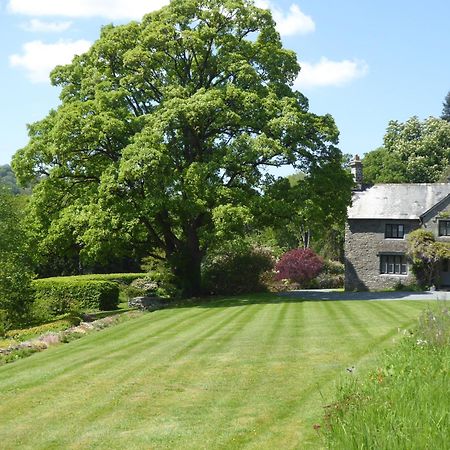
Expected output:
(165, 131)
(413, 152)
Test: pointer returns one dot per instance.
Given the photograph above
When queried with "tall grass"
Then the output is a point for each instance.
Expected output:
(405, 402)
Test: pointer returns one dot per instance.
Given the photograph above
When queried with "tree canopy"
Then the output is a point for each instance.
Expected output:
(15, 272)
(413, 152)
(164, 133)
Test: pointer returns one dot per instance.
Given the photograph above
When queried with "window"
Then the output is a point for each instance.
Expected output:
(444, 228)
(395, 230)
(393, 264)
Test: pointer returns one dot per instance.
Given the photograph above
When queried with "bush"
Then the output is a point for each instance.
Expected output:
(327, 281)
(331, 276)
(236, 272)
(300, 265)
(159, 273)
(28, 333)
(142, 287)
(331, 267)
(54, 297)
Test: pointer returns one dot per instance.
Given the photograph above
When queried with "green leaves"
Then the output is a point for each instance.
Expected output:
(414, 152)
(15, 272)
(166, 129)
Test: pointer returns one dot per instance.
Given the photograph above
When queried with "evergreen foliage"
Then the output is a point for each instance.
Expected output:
(446, 108)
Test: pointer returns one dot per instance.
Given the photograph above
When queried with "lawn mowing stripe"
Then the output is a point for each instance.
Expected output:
(88, 352)
(106, 363)
(270, 356)
(125, 374)
(200, 382)
(247, 327)
(84, 347)
(239, 318)
(343, 321)
(351, 312)
(292, 405)
(359, 355)
(77, 377)
(210, 331)
(275, 325)
(392, 311)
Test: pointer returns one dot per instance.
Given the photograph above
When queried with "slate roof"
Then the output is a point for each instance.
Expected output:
(397, 201)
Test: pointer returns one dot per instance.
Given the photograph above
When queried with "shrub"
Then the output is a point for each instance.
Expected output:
(236, 272)
(159, 273)
(54, 296)
(31, 332)
(331, 276)
(142, 287)
(300, 265)
(331, 267)
(327, 281)
(426, 255)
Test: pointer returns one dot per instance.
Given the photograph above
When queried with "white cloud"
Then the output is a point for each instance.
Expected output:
(330, 73)
(38, 59)
(289, 23)
(37, 25)
(109, 9)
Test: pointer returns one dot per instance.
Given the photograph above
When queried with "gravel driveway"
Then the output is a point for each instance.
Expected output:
(330, 294)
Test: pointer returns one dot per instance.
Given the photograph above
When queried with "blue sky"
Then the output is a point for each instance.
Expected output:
(365, 62)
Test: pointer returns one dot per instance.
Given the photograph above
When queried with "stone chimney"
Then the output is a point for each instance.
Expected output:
(357, 172)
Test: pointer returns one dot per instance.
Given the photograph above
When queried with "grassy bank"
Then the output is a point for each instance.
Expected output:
(245, 372)
(405, 402)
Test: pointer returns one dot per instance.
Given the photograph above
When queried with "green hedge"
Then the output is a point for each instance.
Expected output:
(122, 278)
(57, 296)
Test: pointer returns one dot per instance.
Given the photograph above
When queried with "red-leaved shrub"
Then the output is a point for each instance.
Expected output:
(300, 265)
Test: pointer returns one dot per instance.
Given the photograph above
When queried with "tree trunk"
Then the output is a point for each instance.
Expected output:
(186, 263)
(187, 269)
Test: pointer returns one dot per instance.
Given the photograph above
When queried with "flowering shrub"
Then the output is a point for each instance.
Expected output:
(300, 265)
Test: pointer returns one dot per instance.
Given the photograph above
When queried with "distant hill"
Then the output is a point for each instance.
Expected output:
(7, 178)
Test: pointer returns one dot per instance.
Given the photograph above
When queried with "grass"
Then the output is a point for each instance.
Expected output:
(405, 402)
(248, 372)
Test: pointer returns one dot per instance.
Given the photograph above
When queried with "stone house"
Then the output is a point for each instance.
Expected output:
(380, 218)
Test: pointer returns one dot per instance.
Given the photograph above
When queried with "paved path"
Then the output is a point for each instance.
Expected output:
(329, 294)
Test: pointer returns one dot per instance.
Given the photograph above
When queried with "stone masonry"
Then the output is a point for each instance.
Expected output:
(364, 243)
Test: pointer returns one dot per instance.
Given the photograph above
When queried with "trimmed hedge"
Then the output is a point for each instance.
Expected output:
(122, 278)
(56, 296)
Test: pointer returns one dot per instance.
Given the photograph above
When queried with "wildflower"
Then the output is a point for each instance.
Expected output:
(421, 342)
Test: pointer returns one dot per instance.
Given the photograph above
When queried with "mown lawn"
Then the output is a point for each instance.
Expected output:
(249, 372)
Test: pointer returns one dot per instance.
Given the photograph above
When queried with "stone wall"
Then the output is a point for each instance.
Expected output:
(364, 242)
